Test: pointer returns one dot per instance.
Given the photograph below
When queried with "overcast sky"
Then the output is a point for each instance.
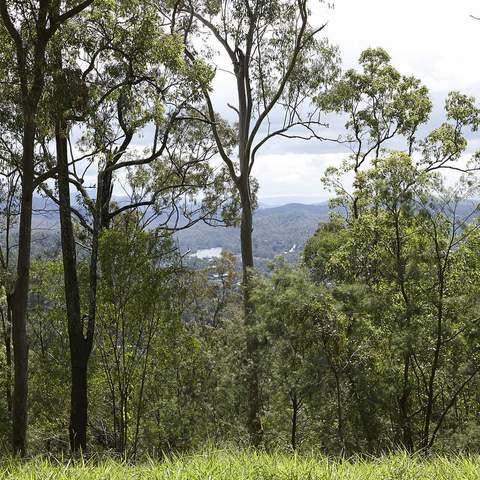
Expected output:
(435, 40)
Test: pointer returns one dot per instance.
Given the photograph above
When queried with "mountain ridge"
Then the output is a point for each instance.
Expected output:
(281, 230)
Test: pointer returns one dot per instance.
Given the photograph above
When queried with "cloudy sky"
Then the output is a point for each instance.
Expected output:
(435, 40)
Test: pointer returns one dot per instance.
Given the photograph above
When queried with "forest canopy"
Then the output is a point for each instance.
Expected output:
(114, 342)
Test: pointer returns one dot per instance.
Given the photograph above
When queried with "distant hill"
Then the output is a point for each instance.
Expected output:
(280, 230)
(277, 231)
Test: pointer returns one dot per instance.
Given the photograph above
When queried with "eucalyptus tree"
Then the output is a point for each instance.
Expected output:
(31, 29)
(73, 100)
(382, 107)
(276, 65)
(387, 111)
(127, 83)
(10, 154)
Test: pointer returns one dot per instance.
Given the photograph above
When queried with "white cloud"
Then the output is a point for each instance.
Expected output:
(294, 175)
(436, 40)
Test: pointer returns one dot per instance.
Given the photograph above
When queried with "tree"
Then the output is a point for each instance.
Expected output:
(134, 301)
(30, 30)
(9, 199)
(305, 336)
(133, 79)
(395, 270)
(10, 178)
(381, 106)
(277, 65)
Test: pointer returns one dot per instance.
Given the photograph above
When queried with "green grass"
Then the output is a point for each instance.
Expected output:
(225, 465)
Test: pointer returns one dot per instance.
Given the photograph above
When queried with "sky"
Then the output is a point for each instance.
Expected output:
(435, 40)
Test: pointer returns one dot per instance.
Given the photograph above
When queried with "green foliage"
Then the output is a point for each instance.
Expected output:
(380, 101)
(49, 378)
(395, 268)
(369, 344)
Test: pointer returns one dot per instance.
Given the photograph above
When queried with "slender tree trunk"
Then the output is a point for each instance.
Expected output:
(138, 418)
(404, 410)
(79, 344)
(20, 296)
(96, 231)
(431, 383)
(295, 410)
(405, 423)
(254, 401)
(7, 337)
(341, 433)
(7, 315)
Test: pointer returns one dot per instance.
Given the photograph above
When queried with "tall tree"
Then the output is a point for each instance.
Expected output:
(10, 154)
(277, 64)
(80, 337)
(385, 108)
(134, 78)
(31, 28)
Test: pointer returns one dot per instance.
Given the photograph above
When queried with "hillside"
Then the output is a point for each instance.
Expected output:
(281, 230)
(277, 231)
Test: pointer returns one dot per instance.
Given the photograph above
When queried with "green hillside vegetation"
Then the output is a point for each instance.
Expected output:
(337, 340)
(276, 231)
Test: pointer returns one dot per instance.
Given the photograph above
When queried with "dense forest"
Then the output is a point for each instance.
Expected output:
(366, 341)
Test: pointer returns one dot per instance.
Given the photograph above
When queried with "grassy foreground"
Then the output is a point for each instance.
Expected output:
(221, 465)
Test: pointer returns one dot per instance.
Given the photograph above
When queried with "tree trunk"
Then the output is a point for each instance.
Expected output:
(341, 433)
(7, 338)
(295, 411)
(254, 401)
(405, 424)
(79, 344)
(425, 443)
(78, 406)
(20, 296)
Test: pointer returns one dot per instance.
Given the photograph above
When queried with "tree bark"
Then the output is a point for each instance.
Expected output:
(254, 424)
(295, 410)
(7, 338)
(403, 404)
(441, 267)
(20, 296)
(341, 433)
(80, 345)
